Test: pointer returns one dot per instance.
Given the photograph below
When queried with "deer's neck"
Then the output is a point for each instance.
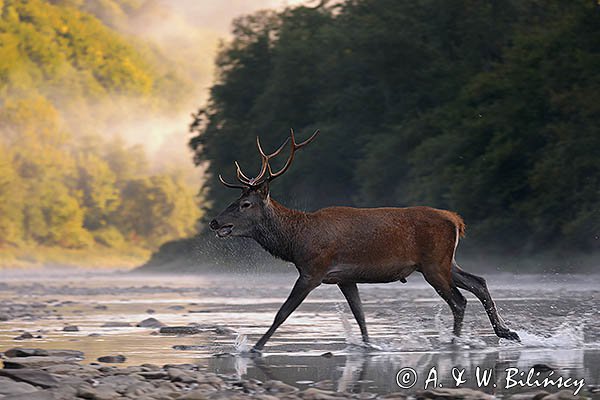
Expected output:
(281, 231)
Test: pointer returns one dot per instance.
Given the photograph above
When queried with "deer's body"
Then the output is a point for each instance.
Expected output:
(346, 246)
(363, 245)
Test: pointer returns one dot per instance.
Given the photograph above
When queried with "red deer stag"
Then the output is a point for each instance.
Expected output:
(346, 246)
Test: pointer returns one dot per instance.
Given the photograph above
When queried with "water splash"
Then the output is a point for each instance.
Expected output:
(241, 343)
(351, 339)
(568, 335)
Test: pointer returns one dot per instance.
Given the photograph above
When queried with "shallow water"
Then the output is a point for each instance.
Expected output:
(556, 316)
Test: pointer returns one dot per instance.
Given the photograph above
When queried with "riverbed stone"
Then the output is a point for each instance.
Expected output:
(179, 330)
(10, 387)
(71, 328)
(24, 352)
(274, 386)
(37, 395)
(24, 336)
(450, 393)
(562, 395)
(537, 395)
(100, 392)
(31, 376)
(36, 362)
(320, 394)
(150, 323)
(66, 353)
(114, 359)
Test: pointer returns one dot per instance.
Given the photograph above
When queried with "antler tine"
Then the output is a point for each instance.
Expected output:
(240, 175)
(231, 185)
(265, 160)
(295, 146)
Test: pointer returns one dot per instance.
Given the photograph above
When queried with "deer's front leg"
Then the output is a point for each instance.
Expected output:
(303, 286)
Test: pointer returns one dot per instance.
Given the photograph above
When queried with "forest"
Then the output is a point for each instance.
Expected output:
(70, 182)
(487, 108)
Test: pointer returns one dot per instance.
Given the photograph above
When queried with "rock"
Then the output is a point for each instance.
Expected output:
(112, 359)
(4, 317)
(319, 394)
(542, 368)
(188, 347)
(222, 330)
(179, 330)
(36, 362)
(278, 387)
(22, 352)
(37, 395)
(538, 395)
(24, 336)
(327, 354)
(150, 323)
(76, 354)
(154, 374)
(10, 387)
(458, 393)
(33, 377)
(101, 307)
(197, 394)
(100, 392)
(176, 307)
(115, 324)
(178, 375)
(71, 328)
(562, 395)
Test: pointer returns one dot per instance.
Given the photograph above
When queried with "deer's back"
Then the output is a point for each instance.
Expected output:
(384, 241)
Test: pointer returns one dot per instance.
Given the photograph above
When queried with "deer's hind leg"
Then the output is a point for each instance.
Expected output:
(350, 292)
(440, 279)
(476, 285)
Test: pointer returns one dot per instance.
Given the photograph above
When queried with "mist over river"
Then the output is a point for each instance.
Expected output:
(556, 317)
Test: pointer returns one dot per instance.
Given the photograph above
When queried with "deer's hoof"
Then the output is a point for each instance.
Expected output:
(254, 352)
(510, 335)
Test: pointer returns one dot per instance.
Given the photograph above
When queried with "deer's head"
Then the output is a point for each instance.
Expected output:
(242, 216)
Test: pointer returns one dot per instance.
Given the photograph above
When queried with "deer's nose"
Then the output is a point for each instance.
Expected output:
(213, 224)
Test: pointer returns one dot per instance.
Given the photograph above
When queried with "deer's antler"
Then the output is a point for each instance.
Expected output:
(266, 173)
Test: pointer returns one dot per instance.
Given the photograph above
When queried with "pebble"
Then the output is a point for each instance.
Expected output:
(112, 359)
(71, 328)
(150, 323)
(179, 330)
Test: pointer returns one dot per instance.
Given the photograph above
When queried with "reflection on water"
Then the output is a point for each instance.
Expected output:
(410, 326)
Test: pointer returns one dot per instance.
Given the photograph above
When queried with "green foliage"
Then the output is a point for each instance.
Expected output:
(486, 108)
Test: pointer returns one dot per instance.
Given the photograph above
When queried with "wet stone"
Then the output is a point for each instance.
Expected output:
(150, 323)
(459, 393)
(112, 359)
(33, 377)
(179, 330)
(24, 352)
(538, 395)
(36, 362)
(10, 387)
(71, 328)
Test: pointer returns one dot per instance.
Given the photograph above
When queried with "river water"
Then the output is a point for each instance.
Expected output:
(557, 317)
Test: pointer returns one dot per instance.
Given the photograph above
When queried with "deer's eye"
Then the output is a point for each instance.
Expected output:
(245, 204)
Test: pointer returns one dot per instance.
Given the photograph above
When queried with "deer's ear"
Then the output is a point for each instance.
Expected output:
(263, 190)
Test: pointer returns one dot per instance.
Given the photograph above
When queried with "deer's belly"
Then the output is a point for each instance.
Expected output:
(367, 274)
